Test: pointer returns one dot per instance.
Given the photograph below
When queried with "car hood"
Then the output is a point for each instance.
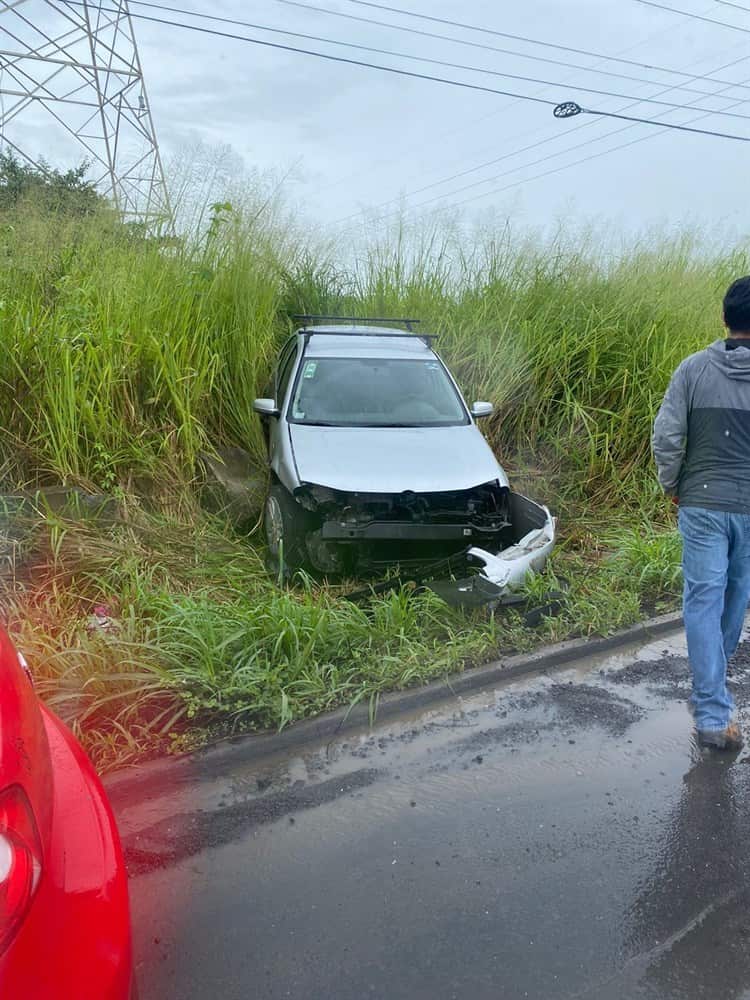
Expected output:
(394, 459)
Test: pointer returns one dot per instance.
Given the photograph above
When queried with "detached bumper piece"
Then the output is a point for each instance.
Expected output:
(504, 572)
(509, 569)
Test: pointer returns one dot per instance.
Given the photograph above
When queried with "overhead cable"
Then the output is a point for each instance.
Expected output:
(414, 75)
(443, 63)
(511, 52)
(567, 166)
(696, 17)
(548, 137)
(518, 152)
(504, 34)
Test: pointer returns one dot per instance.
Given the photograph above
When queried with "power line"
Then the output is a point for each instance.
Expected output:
(501, 34)
(524, 166)
(331, 58)
(737, 6)
(554, 170)
(493, 48)
(439, 62)
(651, 121)
(422, 76)
(548, 136)
(567, 166)
(689, 13)
(463, 173)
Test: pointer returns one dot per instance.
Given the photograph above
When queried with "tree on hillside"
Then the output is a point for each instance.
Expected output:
(53, 190)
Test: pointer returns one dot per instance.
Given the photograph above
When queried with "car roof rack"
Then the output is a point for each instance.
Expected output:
(361, 321)
(358, 320)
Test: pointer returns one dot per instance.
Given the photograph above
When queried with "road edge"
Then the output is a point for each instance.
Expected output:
(211, 760)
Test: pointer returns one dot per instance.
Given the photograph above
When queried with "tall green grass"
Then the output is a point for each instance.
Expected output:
(574, 347)
(200, 636)
(124, 359)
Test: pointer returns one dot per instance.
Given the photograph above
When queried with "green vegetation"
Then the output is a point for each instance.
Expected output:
(200, 635)
(124, 359)
(55, 192)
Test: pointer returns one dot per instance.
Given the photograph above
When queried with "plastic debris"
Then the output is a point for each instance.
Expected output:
(101, 620)
(509, 568)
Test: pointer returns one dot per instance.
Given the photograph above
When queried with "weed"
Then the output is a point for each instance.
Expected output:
(650, 557)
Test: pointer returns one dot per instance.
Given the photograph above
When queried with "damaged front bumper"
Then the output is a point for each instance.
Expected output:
(507, 534)
(503, 572)
(335, 531)
(359, 531)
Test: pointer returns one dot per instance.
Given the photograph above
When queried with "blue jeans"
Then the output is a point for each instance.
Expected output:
(716, 568)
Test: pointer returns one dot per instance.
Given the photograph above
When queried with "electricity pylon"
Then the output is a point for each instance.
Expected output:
(74, 66)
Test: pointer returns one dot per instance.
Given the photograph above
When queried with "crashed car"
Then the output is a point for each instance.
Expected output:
(376, 459)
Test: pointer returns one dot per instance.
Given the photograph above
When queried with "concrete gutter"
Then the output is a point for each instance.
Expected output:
(151, 777)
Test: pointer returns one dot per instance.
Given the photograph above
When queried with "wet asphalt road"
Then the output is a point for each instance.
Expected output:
(555, 838)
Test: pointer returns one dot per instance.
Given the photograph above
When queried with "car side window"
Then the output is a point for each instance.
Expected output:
(286, 366)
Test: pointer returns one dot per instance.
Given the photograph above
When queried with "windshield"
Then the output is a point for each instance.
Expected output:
(376, 392)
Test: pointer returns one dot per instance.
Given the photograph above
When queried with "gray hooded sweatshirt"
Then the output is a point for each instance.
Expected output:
(701, 437)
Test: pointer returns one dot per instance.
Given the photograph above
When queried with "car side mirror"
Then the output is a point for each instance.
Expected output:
(266, 407)
(479, 410)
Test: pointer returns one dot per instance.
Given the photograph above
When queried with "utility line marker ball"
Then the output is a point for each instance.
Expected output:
(568, 109)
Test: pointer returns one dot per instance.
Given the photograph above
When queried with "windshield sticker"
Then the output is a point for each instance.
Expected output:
(310, 369)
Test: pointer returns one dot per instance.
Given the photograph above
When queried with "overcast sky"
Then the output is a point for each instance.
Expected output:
(354, 139)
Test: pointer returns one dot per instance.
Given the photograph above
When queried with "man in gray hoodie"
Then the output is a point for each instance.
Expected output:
(701, 444)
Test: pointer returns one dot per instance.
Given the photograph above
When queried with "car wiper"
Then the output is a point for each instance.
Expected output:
(364, 427)
(376, 426)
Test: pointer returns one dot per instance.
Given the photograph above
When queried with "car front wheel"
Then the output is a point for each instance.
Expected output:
(285, 531)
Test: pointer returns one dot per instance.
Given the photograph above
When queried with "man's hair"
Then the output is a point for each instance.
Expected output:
(737, 306)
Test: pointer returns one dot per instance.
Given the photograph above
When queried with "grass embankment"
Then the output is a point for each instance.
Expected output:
(122, 362)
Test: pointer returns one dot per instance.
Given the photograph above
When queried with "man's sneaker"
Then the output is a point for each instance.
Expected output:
(722, 739)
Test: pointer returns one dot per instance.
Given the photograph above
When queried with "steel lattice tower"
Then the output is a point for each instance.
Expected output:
(74, 66)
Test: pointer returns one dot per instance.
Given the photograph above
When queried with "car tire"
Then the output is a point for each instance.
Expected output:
(284, 523)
